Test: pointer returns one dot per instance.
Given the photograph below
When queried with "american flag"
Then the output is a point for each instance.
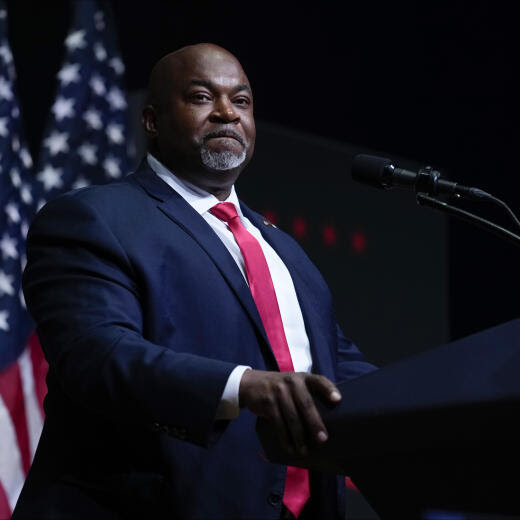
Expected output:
(85, 142)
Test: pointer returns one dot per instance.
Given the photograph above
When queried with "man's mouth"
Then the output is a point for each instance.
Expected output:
(225, 134)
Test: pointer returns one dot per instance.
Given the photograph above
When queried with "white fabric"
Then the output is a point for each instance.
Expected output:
(290, 311)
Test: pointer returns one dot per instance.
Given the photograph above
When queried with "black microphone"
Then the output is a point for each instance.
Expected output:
(381, 173)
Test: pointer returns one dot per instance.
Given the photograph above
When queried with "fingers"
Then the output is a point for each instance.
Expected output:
(278, 422)
(325, 387)
(285, 399)
(298, 411)
(310, 416)
(290, 414)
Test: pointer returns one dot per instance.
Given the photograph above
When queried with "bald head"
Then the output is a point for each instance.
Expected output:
(199, 117)
(172, 66)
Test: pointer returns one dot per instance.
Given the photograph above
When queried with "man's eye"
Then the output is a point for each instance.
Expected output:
(200, 97)
(242, 101)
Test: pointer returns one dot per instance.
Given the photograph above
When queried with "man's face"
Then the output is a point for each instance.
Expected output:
(205, 130)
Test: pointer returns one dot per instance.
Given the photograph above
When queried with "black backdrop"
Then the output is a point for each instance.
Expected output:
(428, 82)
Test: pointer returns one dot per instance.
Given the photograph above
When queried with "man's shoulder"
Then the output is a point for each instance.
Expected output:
(100, 196)
(124, 187)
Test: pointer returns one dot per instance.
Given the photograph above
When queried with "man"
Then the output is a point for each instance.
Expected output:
(166, 310)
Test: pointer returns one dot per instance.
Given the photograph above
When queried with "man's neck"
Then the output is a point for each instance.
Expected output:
(200, 181)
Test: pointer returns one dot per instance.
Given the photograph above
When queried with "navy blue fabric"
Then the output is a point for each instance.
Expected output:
(142, 315)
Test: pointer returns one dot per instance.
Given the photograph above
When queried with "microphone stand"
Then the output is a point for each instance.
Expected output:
(425, 200)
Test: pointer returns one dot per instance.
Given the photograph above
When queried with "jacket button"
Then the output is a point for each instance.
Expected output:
(165, 429)
(274, 499)
(156, 427)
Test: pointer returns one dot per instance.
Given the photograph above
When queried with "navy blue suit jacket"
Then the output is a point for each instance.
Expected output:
(142, 315)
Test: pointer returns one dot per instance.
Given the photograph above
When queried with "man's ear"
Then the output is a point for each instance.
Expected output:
(149, 120)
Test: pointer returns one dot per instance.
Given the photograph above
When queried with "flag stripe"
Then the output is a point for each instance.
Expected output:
(39, 368)
(11, 469)
(85, 142)
(33, 415)
(11, 390)
(5, 510)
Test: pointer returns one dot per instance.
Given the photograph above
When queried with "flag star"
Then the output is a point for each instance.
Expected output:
(69, 74)
(22, 299)
(25, 193)
(88, 153)
(100, 52)
(5, 90)
(6, 284)
(8, 247)
(117, 65)
(16, 180)
(4, 325)
(80, 182)
(111, 166)
(93, 118)
(5, 53)
(3, 127)
(63, 108)
(115, 133)
(116, 99)
(99, 20)
(12, 212)
(15, 143)
(97, 85)
(75, 40)
(50, 177)
(24, 229)
(15, 112)
(26, 158)
(57, 142)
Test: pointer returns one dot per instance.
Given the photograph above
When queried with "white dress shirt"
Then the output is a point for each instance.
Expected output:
(292, 319)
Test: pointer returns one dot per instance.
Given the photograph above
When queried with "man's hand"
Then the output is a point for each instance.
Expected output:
(285, 399)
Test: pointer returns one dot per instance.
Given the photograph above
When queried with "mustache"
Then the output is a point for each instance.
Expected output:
(225, 132)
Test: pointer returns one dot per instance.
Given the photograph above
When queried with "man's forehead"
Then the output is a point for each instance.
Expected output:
(220, 69)
(213, 82)
(202, 64)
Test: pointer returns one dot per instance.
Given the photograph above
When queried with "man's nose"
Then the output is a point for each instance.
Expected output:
(224, 112)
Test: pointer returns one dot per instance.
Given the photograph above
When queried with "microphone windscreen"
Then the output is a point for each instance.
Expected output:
(370, 169)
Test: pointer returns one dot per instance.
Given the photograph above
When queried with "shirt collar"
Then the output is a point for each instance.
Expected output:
(201, 201)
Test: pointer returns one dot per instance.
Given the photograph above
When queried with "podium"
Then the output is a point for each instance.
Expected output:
(436, 432)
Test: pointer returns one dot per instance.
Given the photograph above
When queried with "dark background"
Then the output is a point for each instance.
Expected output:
(430, 83)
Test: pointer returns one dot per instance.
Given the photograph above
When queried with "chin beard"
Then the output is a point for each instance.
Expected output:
(221, 161)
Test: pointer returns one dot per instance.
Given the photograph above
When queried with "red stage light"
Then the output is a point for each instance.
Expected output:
(299, 227)
(329, 235)
(359, 242)
(271, 216)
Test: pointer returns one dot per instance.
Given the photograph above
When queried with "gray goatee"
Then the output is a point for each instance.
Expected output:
(221, 161)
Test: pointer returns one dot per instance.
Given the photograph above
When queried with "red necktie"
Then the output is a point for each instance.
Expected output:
(297, 490)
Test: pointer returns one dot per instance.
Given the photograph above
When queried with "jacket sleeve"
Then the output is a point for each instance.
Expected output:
(351, 363)
(81, 290)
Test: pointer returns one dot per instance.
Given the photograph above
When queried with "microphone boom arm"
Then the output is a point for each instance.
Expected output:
(431, 202)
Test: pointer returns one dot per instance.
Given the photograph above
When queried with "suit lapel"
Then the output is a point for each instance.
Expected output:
(180, 212)
(320, 350)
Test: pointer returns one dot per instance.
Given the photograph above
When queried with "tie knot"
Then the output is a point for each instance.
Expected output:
(225, 211)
